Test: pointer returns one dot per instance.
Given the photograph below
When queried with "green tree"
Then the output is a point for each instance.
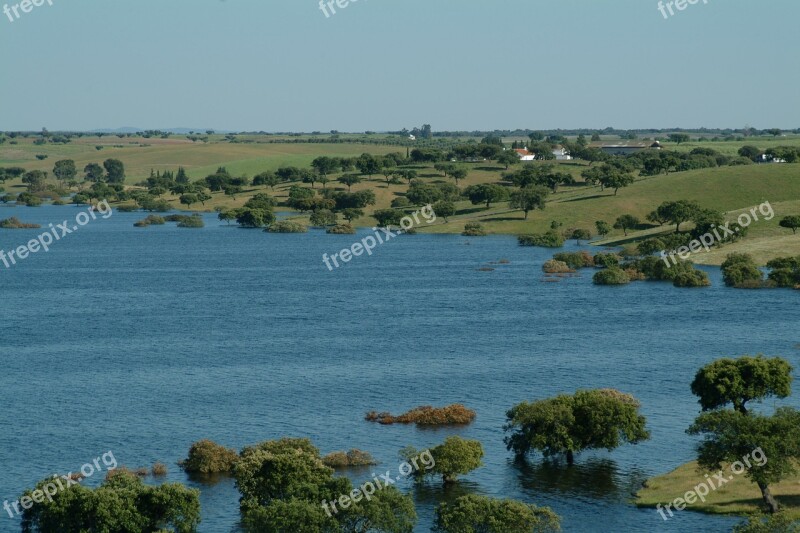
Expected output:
(790, 222)
(740, 269)
(678, 212)
(123, 504)
(589, 419)
(473, 513)
(368, 164)
(115, 171)
(729, 436)
(529, 199)
(603, 228)
(459, 173)
(254, 218)
(679, 138)
(626, 222)
(580, 235)
(388, 217)
(444, 209)
(35, 180)
(615, 178)
(349, 180)
(350, 214)
(266, 179)
(325, 165)
(486, 193)
(508, 158)
(455, 456)
(774, 523)
(189, 199)
(323, 218)
(738, 381)
(64, 170)
(750, 152)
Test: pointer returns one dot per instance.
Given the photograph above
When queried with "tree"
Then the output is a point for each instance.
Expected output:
(189, 199)
(486, 193)
(254, 218)
(368, 164)
(774, 523)
(203, 197)
(35, 180)
(454, 457)
(679, 138)
(678, 212)
(351, 214)
(529, 198)
(474, 513)
(268, 179)
(310, 176)
(444, 209)
(750, 152)
(730, 437)
(740, 269)
(232, 190)
(459, 173)
(325, 165)
(603, 228)
(323, 217)
(115, 170)
(122, 503)
(65, 170)
(408, 175)
(737, 381)
(388, 217)
(508, 158)
(350, 180)
(774, 131)
(580, 235)
(589, 419)
(424, 194)
(791, 222)
(626, 222)
(615, 178)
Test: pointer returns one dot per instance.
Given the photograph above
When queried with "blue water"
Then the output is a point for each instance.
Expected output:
(142, 341)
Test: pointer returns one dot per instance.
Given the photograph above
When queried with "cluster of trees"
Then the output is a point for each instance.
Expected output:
(740, 270)
(789, 154)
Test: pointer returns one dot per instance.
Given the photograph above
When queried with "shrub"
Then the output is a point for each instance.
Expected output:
(481, 513)
(127, 208)
(159, 470)
(287, 226)
(31, 200)
(551, 239)
(738, 269)
(192, 222)
(650, 246)
(401, 202)
(784, 277)
(347, 459)
(473, 229)
(427, 416)
(15, 223)
(606, 260)
(575, 259)
(155, 220)
(59, 202)
(552, 266)
(691, 278)
(208, 457)
(342, 229)
(611, 276)
(141, 223)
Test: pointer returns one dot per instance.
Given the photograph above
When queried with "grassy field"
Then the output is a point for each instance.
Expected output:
(739, 496)
(727, 189)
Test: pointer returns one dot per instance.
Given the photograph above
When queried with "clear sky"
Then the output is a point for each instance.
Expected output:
(281, 65)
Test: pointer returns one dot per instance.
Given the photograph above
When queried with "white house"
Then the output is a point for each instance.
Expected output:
(525, 155)
(561, 153)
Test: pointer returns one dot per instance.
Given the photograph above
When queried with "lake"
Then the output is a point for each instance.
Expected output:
(143, 341)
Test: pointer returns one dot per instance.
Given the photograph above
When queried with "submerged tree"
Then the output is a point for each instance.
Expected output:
(569, 424)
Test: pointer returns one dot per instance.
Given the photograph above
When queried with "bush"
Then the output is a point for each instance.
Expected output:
(473, 229)
(342, 229)
(155, 220)
(481, 513)
(575, 260)
(551, 239)
(347, 459)
(606, 260)
(192, 222)
(401, 202)
(691, 278)
(31, 200)
(159, 470)
(739, 269)
(15, 223)
(611, 276)
(127, 208)
(427, 416)
(287, 226)
(552, 266)
(208, 457)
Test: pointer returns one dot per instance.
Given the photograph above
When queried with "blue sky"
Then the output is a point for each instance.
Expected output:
(281, 65)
